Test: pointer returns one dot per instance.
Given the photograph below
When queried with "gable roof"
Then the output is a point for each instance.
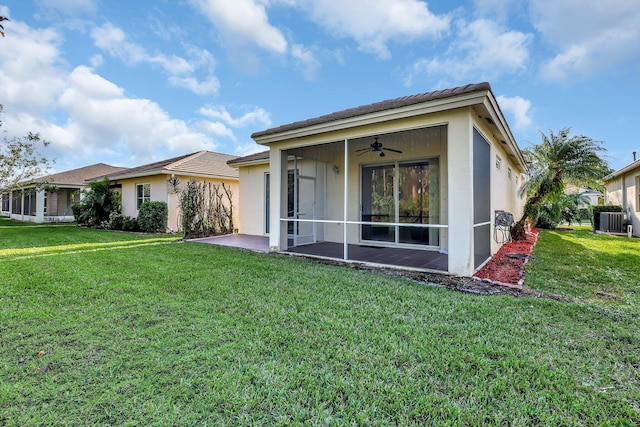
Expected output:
(251, 159)
(631, 166)
(376, 107)
(79, 176)
(201, 163)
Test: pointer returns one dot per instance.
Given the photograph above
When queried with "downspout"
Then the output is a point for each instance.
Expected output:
(169, 205)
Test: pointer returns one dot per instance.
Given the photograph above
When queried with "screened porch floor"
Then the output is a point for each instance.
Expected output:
(400, 257)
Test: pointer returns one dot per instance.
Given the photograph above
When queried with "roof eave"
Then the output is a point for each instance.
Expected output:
(628, 168)
(428, 107)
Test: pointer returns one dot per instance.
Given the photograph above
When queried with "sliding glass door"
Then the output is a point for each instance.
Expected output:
(401, 193)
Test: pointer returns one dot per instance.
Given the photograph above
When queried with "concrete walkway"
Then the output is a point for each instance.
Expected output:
(243, 241)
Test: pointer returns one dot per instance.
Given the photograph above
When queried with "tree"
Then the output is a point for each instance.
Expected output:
(97, 204)
(20, 160)
(560, 159)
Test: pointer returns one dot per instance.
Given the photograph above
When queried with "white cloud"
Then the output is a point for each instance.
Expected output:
(100, 114)
(306, 61)
(519, 108)
(205, 87)
(374, 24)
(257, 116)
(481, 49)
(181, 72)
(243, 21)
(588, 35)
(30, 82)
(215, 128)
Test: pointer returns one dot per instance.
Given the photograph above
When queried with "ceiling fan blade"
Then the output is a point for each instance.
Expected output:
(363, 149)
(364, 152)
(392, 149)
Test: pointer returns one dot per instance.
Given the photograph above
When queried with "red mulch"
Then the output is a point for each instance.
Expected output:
(509, 270)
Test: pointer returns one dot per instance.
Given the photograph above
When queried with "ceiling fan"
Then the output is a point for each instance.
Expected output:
(376, 147)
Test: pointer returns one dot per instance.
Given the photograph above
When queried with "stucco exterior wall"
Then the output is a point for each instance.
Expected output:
(252, 200)
(161, 191)
(623, 190)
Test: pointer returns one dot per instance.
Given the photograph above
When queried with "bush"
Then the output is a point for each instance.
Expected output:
(81, 214)
(545, 220)
(152, 216)
(129, 224)
(596, 210)
(116, 220)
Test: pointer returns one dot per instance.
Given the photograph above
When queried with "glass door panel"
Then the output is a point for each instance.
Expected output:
(418, 202)
(378, 202)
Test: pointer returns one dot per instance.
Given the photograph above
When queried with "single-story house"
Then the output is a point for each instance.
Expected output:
(49, 198)
(157, 181)
(622, 187)
(416, 181)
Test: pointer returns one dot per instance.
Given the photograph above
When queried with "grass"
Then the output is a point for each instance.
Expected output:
(108, 328)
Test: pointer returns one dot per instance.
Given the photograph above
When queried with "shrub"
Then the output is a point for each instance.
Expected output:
(81, 214)
(116, 220)
(152, 216)
(545, 219)
(596, 210)
(206, 209)
(98, 202)
(129, 224)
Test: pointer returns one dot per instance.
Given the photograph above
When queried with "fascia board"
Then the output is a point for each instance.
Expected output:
(249, 163)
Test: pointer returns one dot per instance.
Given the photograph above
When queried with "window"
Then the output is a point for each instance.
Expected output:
(401, 193)
(498, 162)
(5, 203)
(143, 194)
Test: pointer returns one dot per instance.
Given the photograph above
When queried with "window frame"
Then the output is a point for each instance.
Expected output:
(140, 199)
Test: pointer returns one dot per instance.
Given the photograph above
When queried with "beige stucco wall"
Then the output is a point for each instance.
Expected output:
(161, 192)
(251, 202)
(623, 191)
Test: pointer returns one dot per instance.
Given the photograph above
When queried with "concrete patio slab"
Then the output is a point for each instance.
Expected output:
(243, 241)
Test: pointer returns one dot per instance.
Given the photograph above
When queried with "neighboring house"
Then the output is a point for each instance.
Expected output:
(622, 187)
(415, 181)
(588, 196)
(155, 181)
(49, 198)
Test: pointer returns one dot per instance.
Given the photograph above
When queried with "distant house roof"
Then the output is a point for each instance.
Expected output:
(79, 176)
(628, 168)
(255, 158)
(389, 104)
(201, 163)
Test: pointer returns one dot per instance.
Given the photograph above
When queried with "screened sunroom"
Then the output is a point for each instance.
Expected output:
(408, 184)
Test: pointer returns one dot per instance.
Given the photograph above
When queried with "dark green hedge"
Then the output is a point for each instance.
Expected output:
(152, 216)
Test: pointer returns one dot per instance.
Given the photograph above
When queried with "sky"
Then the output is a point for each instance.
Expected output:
(132, 82)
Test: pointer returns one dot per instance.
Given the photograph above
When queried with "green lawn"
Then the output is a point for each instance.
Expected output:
(147, 330)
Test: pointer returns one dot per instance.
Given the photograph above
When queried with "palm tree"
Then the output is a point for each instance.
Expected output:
(559, 160)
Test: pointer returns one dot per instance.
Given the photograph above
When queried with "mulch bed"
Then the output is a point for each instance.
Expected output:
(506, 267)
